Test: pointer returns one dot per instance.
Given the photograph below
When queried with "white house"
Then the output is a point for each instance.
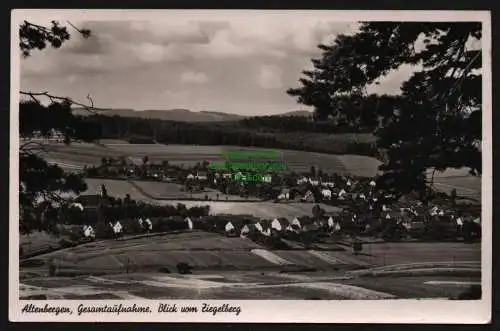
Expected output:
(259, 227)
(348, 183)
(314, 182)
(276, 225)
(244, 231)
(149, 225)
(117, 228)
(302, 180)
(372, 183)
(89, 232)
(190, 176)
(229, 227)
(331, 223)
(267, 178)
(267, 233)
(341, 195)
(290, 229)
(296, 223)
(327, 194)
(434, 211)
(189, 223)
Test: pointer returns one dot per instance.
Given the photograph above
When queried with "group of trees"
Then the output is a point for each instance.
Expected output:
(257, 132)
(281, 124)
(435, 122)
(127, 210)
(41, 185)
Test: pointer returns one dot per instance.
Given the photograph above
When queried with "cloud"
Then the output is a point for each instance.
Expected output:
(269, 77)
(249, 61)
(194, 77)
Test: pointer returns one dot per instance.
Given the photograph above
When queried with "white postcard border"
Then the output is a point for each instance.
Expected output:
(269, 311)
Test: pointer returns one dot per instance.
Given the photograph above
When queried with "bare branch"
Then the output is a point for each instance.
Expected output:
(84, 32)
(91, 101)
(53, 98)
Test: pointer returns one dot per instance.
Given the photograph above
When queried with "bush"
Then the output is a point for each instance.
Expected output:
(184, 268)
(76, 234)
(103, 231)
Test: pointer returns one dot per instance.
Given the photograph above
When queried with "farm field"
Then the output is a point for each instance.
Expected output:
(79, 154)
(226, 268)
(162, 190)
(225, 285)
(264, 209)
(76, 156)
(402, 253)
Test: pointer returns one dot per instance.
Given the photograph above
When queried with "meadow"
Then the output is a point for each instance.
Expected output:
(237, 268)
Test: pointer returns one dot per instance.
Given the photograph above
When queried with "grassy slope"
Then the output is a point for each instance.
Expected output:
(217, 260)
(213, 251)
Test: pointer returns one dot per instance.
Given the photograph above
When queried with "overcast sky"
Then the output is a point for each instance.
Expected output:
(241, 65)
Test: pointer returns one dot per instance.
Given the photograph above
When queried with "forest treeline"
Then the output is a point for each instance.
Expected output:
(285, 132)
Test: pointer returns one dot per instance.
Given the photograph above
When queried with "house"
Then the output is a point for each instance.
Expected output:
(149, 225)
(326, 193)
(117, 227)
(296, 224)
(258, 227)
(189, 223)
(279, 224)
(229, 228)
(309, 197)
(190, 177)
(245, 230)
(267, 178)
(314, 182)
(276, 225)
(302, 180)
(88, 231)
(342, 194)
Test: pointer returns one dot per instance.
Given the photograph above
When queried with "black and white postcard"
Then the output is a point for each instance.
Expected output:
(250, 166)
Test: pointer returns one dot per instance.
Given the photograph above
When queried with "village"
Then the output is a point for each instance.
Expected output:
(364, 211)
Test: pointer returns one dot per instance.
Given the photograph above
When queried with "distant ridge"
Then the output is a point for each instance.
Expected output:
(182, 115)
